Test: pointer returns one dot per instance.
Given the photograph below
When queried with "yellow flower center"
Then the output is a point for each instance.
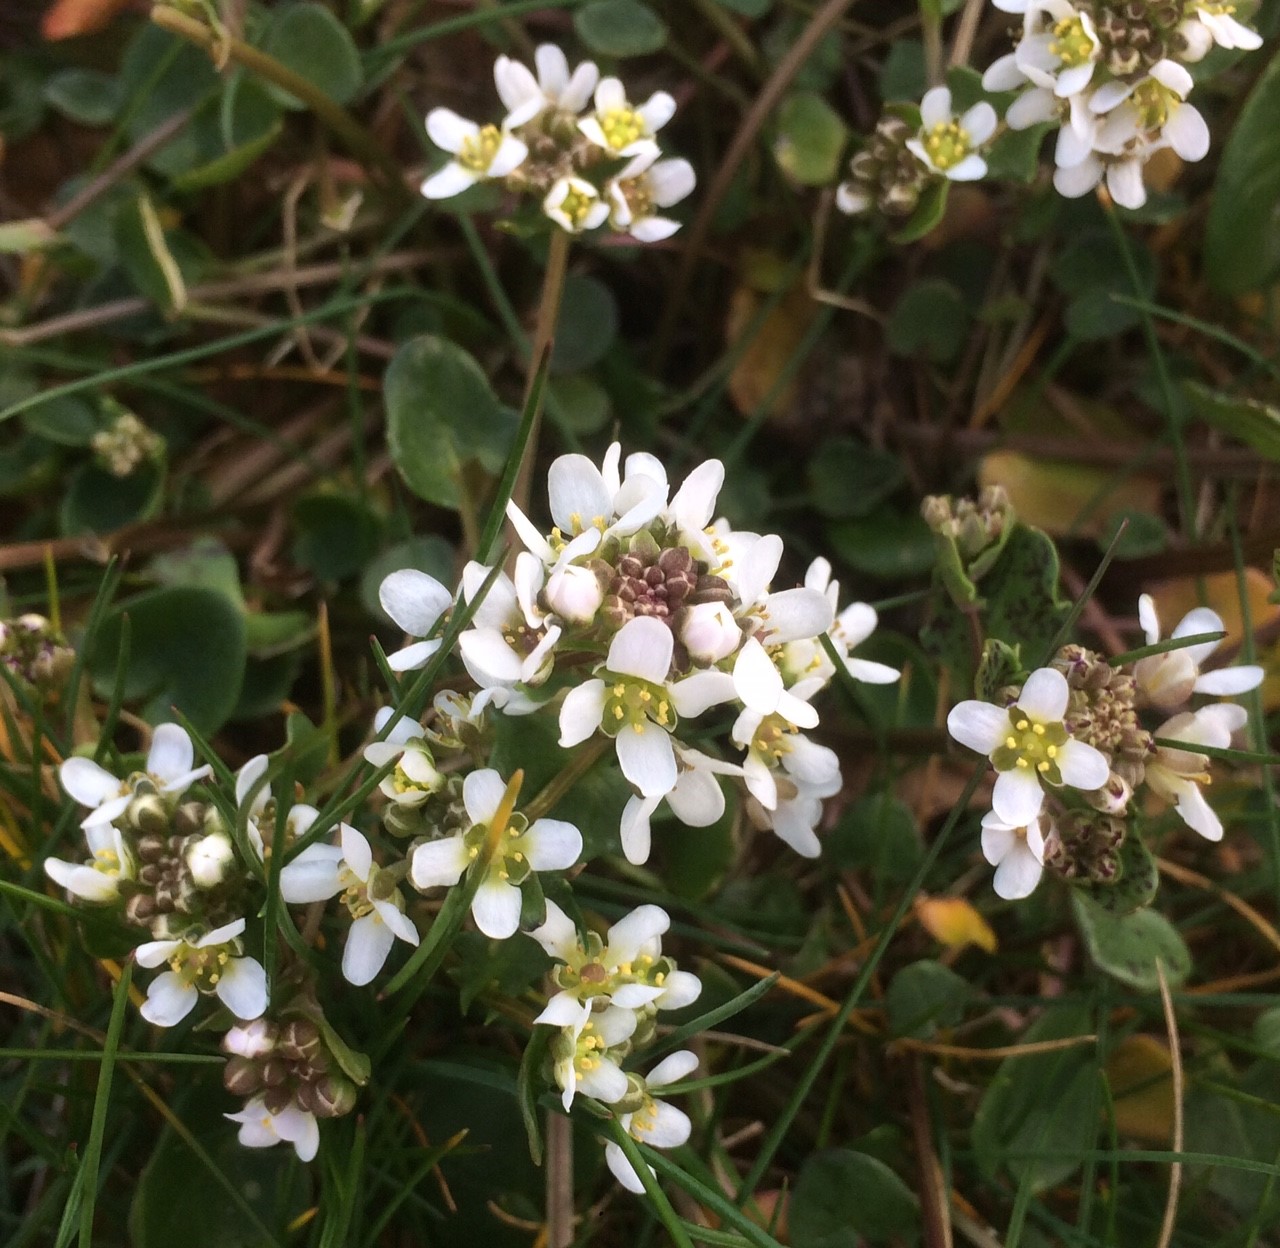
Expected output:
(107, 861)
(576, 205)
(1072, 44)
(1154, 102)
(622, 127)
(478, 150)
(201, 968)
(633, 702)
(947, 143)
(772, 739)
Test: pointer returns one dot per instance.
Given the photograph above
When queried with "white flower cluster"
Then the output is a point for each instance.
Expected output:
(1114, 80)
(1074, 726)
(655, 616)
(572, 140)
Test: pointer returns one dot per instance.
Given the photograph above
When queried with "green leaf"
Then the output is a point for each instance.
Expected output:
(246, 123)
(1242, 235)
(1000, 665)
(1025, 606)
(430, 554)
(810, 139)
(1044, 1104)
(1137, 884)
(441, 412)
(924, 996)
(1247, 420)
(98, 502)
(1090, 270)
(929, 320)
(582, 403)
(620, 28)
(844, 1199)
(903, 75)
(87, 96)
(885, 544)
(928, 213)
(587, 325)
(66, 419)
(164, 75)
(747, 8)
(187, 651)
(878, 833)
(849, 479)
(529, 1085)
(309, 40)
(1015, 155)
(335, 535)
(1128, 946)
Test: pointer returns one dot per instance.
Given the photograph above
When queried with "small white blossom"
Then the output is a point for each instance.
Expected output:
(509, 854)
(575, 205)
(511, 641)
(168, 767)
(99, 879)
(697, 800)
(322, 871)
(210, 859)
(621, 128)
(1168, 680)
(655, 1123)
(582, 1059)
(1029, 746)
(297, 820)
(555, 88)
(948, 144)
(644, 185)
(1220, 26)
(479, 152)
(1176, 775)
(212, 963)
(416, 602)
(1017, 853)
(415, 777)
(260, 1128)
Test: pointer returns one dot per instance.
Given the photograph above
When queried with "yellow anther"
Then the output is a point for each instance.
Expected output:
(617, 713)
(1022, 725)
(1022, 762)
(1042, 766)
(1011, 742)
(1052, 751)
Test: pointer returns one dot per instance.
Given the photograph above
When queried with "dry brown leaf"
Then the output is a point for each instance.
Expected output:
(772, 348)
(68, 18)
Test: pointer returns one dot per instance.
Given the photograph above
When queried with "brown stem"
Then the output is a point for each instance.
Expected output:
(559, 1180)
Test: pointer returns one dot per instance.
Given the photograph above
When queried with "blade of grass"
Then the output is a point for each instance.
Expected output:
(1163, 647)
(712, 1018)
(661, 1205)
(101, 1103)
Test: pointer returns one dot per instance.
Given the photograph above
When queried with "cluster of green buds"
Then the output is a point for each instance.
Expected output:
(35, 653)
(969, 536)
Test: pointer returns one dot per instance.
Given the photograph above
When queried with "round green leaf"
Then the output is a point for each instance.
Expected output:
(186, 650)
(335, 536)
(810, 140)
(587, 326)
(441, 412)
(66, 419)
(620, 28)
(1128, 946)
(885, 544)
(930, 320)
(85, 95)
(848, 478)
(844, 1199)
(924, 996)
(314, 44)
(97, 502)
(580, 402)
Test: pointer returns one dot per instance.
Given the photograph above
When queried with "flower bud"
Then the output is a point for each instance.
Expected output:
(148, 814)
(1113, 797)
(210, 858)
(332, 1096)
(255, 1039)
(574, 594)
(242, 1077)
(710, 633)
(300, 1039)
(1167, 680)
(277, 1099)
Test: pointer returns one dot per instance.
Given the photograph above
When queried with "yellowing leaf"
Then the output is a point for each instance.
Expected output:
(1066, 498)
(1139, 1074)
(955, 922)
(771, 349)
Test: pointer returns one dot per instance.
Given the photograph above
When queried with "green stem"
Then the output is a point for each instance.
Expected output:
(661, 1205)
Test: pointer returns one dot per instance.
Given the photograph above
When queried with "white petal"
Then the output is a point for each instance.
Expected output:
(529, 535)
(757, 681)
(312, 875)
(552, 845)
(794, 822)
(1228, 681)
(935, 107)
(635, 831)
(697, 800)
(169, 1000)
(979, 725)
(247, 777)
(636, 996)
(399, 923)
(557, 935)
(1078, 180)
(646, 757)
(1003, 74)
(581, 712)
(448, 130)
(698, 693)
(761, 783)
(797, 711)
(758, 566)
(1148, 619)
(642, 647)
(171, 753)
(1188, 133)
(980, 121)
(563, 1010)
(673, 1068)
(1017, 796)
(1174, 76)
(668, 1128)
(795, 615)
(153, 953)
(496, 908)
(439, 863)
(622, 1169)
(82, 881)
(368, 944)
(86, 782)
(1199, 620)
(414, 600)
(356, 851)
(1073, 80)
(1124, 182)
(488, 657)
(604, 1081)
(1031, 108)
(694, 503)
(679, 989)
(577, 494)
(448, 181)
(1044, 696)
(242, 988)
(998, 839)
(1082, 766)
(872, 673)
(627, 936)
(482, 794)
(1198, 814)
(1017, 875)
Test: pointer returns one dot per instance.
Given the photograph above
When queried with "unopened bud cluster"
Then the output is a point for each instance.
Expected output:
(126, 445)
(34, 652)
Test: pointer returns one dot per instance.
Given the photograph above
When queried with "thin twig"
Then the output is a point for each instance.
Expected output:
(1175, 1055)
(559, 1180)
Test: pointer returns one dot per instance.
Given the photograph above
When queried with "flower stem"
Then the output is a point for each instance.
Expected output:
(543, 334)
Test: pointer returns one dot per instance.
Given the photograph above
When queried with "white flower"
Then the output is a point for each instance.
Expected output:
(948, 144)
(655, 1123)
(1061, 48)
(1167, 680)
(210, 858)
(214, 963)
(582, 1061)
(322, 871)
(511, 641)
(415, 777)
(1218, 22)
(507, 854)
(621, 128)
(574, 593)
(631, 702)
(709, 632)
(98, 879)
(1152, 112)
(851, 201)
(415, 601)
(749, 564)
(297, 821)
(255, 1038)
(575, 205)
(626, 969)
(795, 817)
(479, 152)
(260, 1128)
(1017, 853)
(1123, 176)
(697, 800)
(168, 767)
(1029, 746)
(526, 97)
(1176, 775)
(644, 185)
